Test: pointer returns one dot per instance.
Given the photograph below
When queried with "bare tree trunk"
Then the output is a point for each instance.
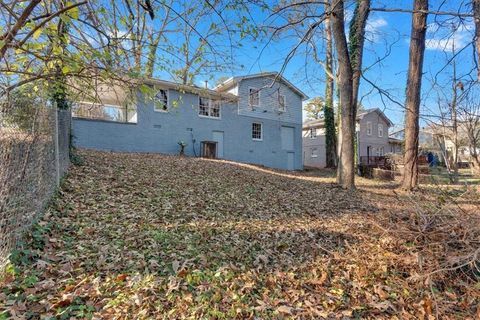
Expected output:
(412, 102)
(356, 43)
(476, 14)
(345, 169)
(454, 123)
(329, 114)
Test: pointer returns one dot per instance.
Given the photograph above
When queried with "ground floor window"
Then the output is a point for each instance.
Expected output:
(314, 153)
(257, 133)
(108, 112)
(380, 152)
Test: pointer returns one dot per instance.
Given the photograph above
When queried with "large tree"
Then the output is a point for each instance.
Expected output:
(476, 17)
(328, 112)
(414, 87)
(349, 69)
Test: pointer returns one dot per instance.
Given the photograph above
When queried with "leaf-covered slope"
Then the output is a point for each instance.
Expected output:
(152, 236)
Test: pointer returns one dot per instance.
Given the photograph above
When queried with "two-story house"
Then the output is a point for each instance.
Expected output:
(254, 119)
(372, 138)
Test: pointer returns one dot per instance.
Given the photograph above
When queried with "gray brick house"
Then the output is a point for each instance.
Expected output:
(254, 119)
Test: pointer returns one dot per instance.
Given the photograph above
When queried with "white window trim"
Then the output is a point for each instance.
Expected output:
(261, 131)
(248, 101)
(314, 154)
(378, 130)
(168, 100)
(371, 128)
(310, 133)
(209, 106)
(280, 108)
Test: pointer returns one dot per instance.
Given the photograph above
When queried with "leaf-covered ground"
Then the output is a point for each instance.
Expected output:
(152, 236)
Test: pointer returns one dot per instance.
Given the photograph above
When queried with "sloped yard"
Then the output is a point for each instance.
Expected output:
(150, 236)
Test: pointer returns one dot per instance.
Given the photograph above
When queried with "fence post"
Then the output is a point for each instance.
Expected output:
(57, 151)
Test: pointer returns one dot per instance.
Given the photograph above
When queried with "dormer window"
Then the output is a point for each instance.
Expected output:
(282, 103)
(253, 97)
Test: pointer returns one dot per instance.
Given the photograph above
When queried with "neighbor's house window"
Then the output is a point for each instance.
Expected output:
(208, 107)
(369, 128)
(160, 101)
(313, 133)
(282, 103)
(253, 97)
(257, 131)
(107, 112)
(314, 153)
(380, 130)
(380, 151)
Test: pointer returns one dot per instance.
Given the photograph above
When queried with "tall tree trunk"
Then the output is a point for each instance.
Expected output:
(412, 102)
(329, 114)
(152, 55)
(356, 43)
(345, 169)
(476, 13)
(454, 122)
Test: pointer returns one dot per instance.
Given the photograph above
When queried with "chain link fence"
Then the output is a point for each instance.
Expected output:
(34, 155)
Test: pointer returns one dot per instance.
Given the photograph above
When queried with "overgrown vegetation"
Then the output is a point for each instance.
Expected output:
(128, 237)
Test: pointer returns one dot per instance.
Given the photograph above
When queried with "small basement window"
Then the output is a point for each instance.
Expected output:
(208, 107)
(257, 131)
(160, 101)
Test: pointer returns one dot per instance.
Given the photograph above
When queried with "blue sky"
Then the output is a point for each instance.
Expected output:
(386, 32)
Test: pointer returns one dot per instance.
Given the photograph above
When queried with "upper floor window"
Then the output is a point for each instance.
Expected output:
(313, 133)
(282, 103)
(257, 133)
(369, 128)
(160, 102)
(208, 107)
(253, 97)
(380, 130)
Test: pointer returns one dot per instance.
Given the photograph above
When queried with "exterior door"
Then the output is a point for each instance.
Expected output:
(287, 138)
(290, 160)
(218, 136)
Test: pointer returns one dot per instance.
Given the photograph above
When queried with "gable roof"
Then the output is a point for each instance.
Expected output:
(230, 82)
(363, 113)
(315, 123)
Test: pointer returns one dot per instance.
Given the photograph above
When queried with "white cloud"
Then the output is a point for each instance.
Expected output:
(373, 29)
(446, 39)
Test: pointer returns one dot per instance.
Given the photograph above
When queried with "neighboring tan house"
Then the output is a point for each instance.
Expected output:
(372, 138)
(254, 119)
